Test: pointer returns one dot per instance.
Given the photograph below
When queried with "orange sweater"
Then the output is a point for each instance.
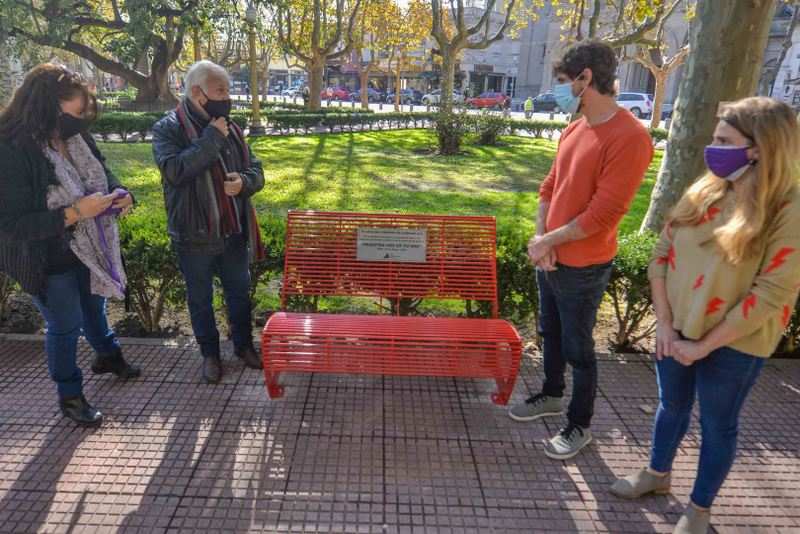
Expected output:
(595, 176)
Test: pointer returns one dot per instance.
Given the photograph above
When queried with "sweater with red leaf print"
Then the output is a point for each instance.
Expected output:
(756, 296)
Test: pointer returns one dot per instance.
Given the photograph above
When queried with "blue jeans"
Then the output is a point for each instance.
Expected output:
(233, 269)
(569, 298)
(69, 308)
(721, 381)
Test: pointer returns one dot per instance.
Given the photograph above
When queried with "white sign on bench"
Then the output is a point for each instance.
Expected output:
(392, 244)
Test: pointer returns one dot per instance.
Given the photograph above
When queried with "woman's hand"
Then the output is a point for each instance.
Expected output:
(124, 203)
(666, 337)
(687, 352)
(93, 205)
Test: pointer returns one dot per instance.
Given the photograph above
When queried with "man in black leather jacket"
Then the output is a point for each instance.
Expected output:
(209, 174)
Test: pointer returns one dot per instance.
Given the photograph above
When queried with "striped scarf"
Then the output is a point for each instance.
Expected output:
(222, 213)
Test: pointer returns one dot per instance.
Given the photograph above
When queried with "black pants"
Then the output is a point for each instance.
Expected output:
(568, 302)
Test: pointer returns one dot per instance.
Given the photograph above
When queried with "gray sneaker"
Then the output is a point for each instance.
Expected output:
(568, 442)
(539, 405)
(693, 521)
(641, 483)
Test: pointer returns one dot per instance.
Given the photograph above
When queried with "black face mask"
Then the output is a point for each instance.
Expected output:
(217, 108)
(70, 125)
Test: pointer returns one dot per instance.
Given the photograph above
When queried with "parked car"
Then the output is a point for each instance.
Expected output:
(292, 92)
(407, 96)
(373, 95)
(666, 111)
(545, 103)
(434, 97)
(639, 104)
(489, 99)
(239, 87)
(334, 93)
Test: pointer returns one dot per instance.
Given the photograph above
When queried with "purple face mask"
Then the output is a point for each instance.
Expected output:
(728, 162)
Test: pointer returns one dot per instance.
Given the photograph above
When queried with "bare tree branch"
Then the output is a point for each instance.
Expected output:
(335, 41)
(594, 20)
(488, 41)
(662, 23)
(483, 22)
(579, 24)
(639, 34)
(287, 38)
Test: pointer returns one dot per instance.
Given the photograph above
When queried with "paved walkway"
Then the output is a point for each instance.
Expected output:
(359, 454)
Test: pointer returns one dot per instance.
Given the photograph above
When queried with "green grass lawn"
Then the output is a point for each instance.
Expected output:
(385, 171)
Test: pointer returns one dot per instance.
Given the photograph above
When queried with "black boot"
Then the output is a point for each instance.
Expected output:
(212, 369)
(113, 362)
(250, 357)
(80, 411)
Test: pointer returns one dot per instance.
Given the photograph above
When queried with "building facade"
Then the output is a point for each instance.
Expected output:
(786, 84)
(542, 43)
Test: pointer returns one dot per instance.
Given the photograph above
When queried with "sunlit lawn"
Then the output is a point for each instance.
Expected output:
(385, 171)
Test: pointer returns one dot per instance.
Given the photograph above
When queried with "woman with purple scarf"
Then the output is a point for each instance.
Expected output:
(59, 240)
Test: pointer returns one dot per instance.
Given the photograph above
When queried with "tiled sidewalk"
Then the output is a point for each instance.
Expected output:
(359, 454)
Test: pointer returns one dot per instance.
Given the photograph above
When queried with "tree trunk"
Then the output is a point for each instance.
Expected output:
(448, 77)
(363, 78)
(660, 76)
(152, 89)
(156, 90)
(728, 39)
(315, 75)
(397, 73)
(198, 54)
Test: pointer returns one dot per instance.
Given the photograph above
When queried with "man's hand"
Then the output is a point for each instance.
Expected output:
(688, 352)
(221, 124)
(538, 248)
(233, 184)
(548, 263)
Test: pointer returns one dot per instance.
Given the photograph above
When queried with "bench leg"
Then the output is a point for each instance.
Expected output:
(505, 387)
(274, 389)
(507, 376)
(503, 393)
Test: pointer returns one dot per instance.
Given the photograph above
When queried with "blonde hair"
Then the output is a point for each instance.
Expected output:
(773, 128)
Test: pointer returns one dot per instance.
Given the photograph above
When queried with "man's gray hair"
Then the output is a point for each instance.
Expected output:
(199, 74)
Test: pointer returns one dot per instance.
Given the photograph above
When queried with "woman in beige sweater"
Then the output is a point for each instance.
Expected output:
(724, 277)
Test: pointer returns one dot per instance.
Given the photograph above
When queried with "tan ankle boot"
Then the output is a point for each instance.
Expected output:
(693, 521)
(640, 483)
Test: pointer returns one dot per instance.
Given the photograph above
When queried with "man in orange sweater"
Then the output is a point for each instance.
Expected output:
(600, 163)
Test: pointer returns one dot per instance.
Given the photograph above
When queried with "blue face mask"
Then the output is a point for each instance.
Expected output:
(568, 102)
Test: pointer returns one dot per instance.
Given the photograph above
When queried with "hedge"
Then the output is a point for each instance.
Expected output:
(154, 279)
(289, 106)
(629, 292)
(487, 126)
(155, 283)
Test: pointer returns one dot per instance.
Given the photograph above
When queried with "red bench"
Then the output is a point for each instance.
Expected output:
(390, 256)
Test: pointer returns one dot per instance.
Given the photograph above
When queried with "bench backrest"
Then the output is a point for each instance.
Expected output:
(323, 256)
